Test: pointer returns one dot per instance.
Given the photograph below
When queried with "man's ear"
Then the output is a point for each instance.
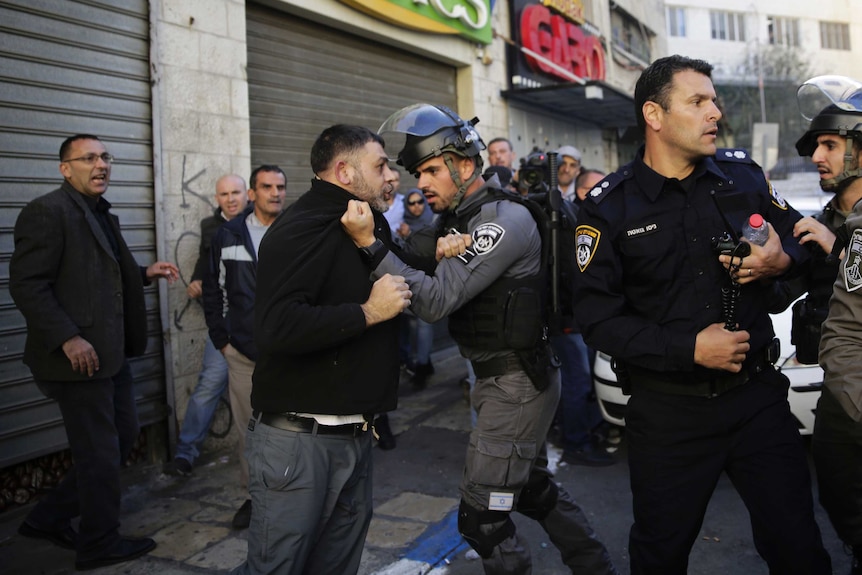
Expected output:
(343, 172)
(652, 113)
(465, 167)
(65, 170)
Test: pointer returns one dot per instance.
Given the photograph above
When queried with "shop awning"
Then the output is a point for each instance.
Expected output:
(594, 102)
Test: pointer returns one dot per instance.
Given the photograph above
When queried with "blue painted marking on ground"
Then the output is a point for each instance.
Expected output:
(439, 542)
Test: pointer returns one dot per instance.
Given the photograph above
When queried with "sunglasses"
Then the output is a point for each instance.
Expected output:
(416, 202)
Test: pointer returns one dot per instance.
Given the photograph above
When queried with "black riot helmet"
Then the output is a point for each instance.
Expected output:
(833, 104)
(424, 131)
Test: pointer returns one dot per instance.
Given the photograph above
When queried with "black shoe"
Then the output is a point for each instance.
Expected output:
(179, 467)
(590, 454)
(127, 549)
(242, 519)
(64, 538)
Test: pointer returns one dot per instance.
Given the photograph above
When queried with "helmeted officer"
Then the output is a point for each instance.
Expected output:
(834, 143)
(705, 396)
(492, 293)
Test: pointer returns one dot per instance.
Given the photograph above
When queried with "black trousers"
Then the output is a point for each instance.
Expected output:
(678, 448)
(837, 450)
(101, 424)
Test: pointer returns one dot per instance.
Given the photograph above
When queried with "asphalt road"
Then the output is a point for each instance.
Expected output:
(428, 460)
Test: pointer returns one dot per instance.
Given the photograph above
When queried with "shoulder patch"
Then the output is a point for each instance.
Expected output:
(601, 190)
(586, 241)
(733, 155)
(777, 198)
(853, 262)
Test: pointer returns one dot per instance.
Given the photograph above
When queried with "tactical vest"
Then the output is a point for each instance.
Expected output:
(509, 314)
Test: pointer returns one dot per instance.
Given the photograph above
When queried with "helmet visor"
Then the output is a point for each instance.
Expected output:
(417, 120)
(822, 91)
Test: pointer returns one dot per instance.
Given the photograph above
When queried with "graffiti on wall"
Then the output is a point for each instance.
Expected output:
(188, 238)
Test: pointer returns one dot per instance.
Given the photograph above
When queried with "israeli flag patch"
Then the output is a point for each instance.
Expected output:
(501, 501)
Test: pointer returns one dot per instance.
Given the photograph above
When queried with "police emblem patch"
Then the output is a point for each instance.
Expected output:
(486, 237)
(777, 198)
(853, 261)
(586, 241)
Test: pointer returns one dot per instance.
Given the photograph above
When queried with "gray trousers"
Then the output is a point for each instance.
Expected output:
(311, 502)
(506, 451)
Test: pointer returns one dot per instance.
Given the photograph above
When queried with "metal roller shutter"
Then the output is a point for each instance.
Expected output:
(304, 77)
(72, 67)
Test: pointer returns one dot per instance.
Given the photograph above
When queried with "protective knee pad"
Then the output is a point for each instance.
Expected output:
(470, 522)
(538, 499)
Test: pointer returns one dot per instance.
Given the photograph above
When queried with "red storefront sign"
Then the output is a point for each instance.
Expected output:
(562, 42)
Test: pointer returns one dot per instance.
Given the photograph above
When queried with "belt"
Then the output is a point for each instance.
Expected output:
(498, 366)
(713, 387)
(299, 424)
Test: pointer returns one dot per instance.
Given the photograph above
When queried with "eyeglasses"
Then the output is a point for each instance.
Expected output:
(415, 202)
(90, 159)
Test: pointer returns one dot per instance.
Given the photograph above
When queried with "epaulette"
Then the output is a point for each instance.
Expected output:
(603, 188)
(738, 155)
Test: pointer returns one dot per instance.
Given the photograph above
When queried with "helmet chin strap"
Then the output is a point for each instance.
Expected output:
(462, 186)
(850, 173)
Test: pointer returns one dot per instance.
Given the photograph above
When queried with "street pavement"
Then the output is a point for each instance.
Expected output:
(414, 530)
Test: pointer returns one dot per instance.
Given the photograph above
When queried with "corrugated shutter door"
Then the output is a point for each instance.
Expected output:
(70, 67)
(304, 77)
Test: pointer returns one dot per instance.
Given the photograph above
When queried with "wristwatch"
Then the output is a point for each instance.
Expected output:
(370, 252)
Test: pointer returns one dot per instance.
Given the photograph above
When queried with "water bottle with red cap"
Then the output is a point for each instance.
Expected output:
(755, 230)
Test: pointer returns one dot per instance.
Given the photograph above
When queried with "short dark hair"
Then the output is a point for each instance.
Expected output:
(67, 143)
(497, 140)
(656, 81)
(337, 140)
(252, 181)
(584, 173)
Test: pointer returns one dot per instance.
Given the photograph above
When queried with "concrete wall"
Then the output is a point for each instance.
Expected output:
(200, 115)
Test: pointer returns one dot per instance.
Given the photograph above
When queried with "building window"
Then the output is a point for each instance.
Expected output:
(676, 21)
(834, 36)
(728, 26)
(630, 35)
(784, 31)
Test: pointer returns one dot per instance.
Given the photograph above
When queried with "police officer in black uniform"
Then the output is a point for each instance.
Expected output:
(492, 294)
(834, 143)
(705, 397)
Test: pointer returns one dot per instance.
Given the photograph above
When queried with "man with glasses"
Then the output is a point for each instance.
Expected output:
(81, 292)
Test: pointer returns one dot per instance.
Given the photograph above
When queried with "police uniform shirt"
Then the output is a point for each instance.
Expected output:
(650, 279)
(506, 243)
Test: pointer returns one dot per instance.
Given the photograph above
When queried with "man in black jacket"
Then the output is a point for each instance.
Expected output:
(230, 195)
(78, 286)
(229, 293)
(327, 362)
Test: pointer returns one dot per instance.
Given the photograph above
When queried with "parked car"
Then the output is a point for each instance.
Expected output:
(805, 380)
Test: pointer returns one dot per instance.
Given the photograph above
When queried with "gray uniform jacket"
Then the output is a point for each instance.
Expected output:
(506, 243)
(841, 342)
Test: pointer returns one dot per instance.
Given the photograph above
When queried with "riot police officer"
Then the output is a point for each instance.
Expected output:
(705, 397)
(492, 294)
(834, 142)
